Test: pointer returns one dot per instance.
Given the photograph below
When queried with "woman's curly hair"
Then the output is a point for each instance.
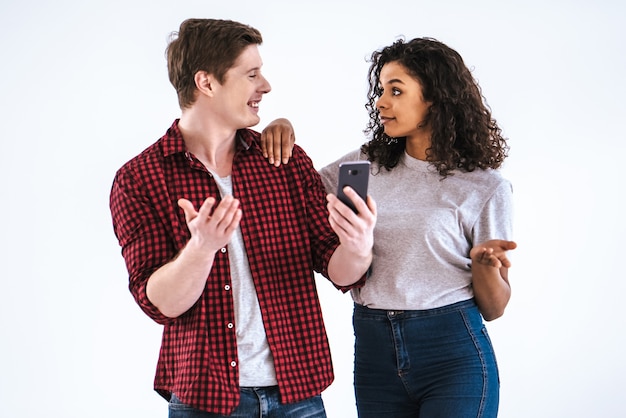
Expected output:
(464, 135)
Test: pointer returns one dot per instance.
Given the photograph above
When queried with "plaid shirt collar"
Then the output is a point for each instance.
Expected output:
(173, 142)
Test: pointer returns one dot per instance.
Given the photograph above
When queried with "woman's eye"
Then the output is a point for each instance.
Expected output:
(395, 92)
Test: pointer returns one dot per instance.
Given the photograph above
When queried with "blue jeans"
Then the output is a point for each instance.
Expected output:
(256, 403)
(432, 363)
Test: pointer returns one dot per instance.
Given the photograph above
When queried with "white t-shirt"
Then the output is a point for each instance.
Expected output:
(256, 363)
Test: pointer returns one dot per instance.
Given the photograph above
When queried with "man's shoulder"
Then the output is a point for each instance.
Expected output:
(144, 167)
(146, 157)
(168, 144)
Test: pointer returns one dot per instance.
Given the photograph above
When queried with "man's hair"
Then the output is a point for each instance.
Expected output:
(209, 45)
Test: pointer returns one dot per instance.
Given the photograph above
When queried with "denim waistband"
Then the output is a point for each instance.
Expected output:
(458, 306)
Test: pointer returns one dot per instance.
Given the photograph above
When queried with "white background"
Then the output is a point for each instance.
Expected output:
(84, 87)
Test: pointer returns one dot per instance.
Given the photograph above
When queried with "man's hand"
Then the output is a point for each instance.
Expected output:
(212, 228)
(277, 141)
(177, 285)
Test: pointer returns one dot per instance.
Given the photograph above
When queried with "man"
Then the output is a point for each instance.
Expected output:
(221, 246)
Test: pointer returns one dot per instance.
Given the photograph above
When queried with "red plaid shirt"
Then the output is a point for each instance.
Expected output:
(286, 236)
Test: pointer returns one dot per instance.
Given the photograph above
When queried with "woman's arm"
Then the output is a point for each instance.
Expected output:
(490, 281)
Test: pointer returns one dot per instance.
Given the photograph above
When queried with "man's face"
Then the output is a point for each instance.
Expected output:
(240, 94)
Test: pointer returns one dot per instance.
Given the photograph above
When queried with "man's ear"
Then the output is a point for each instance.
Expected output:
(204, 83)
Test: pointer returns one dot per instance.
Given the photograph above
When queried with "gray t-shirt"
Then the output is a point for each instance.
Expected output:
(425, 230)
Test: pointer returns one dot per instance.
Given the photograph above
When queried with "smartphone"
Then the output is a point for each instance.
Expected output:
(355, 174)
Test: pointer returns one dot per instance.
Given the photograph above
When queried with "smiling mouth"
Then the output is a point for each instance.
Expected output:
(254, 104)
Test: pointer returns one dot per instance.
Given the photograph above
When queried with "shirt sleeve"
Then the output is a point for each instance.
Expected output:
(496, 217)
(145, 246)
(323, 239)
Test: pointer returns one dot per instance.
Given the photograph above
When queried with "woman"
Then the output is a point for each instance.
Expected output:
(421, 346)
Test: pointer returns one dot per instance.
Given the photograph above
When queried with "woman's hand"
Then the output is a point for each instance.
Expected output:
(356, 234)
(277, 140)
(493, 253)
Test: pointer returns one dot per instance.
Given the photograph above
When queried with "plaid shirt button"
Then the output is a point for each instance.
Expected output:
(233, 363)
(227, 287)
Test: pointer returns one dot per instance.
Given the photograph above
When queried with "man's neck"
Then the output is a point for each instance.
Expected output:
(213, 145)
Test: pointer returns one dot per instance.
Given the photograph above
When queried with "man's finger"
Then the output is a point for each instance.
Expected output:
(188, 210)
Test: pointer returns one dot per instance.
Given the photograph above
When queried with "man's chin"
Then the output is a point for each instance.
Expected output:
(253, 122)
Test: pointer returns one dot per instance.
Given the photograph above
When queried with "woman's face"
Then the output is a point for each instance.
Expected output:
(402, 109)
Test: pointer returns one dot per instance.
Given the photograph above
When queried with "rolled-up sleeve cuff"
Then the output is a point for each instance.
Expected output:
(358, 284)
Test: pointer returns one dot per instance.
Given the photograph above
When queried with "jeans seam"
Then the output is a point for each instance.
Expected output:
(483, 362)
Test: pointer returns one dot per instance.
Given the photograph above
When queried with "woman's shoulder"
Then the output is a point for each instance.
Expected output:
(489, 175)
(354, 155)
(488, 180)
